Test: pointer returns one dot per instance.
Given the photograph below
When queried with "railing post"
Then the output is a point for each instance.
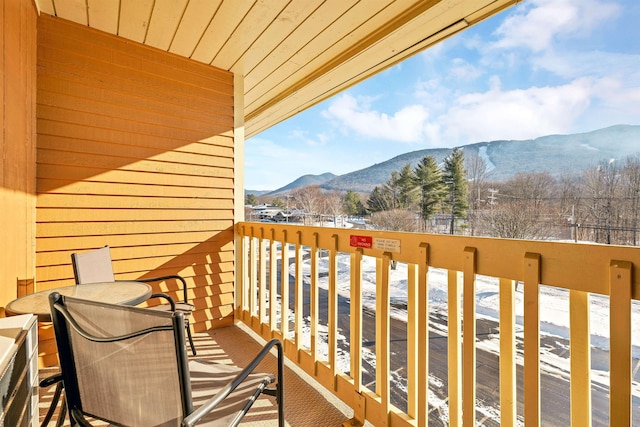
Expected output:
(469, 338)
(620, 353)
(356, 338)
(418, 338)
(532, 339)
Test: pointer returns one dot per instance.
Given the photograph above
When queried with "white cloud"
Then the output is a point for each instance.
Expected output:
(462, 69)
(537, 26)
(405, 125)
(515, 114)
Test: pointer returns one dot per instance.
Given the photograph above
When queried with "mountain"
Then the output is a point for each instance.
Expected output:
(556, 154)
(305, 181)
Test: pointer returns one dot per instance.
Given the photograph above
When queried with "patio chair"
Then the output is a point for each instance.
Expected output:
(128, 366)
(96, 266)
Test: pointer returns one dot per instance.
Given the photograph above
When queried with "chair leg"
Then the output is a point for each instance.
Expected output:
(193, 347)
(54, 404)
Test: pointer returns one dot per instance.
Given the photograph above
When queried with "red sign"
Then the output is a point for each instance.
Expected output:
(361, 241)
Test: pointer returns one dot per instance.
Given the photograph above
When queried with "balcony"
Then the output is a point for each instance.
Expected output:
(373, 371)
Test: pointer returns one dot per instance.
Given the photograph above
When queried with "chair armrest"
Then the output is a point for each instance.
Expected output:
(166, 297)
(49, 381)
(193, 418)
(173, 276)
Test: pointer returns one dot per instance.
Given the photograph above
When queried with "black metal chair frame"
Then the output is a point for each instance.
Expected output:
(63, 322)
(74, 263)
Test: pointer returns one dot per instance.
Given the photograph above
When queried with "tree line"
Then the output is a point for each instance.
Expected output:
(457, 197)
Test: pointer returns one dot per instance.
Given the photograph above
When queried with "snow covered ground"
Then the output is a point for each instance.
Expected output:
(554, 315)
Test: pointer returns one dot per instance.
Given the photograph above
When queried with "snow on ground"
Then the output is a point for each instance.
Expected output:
(554, 302)
(554, 316)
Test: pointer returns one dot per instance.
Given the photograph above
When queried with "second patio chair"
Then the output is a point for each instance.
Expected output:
(96, 266)
(128, 366)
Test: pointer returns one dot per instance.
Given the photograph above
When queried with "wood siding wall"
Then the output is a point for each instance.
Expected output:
(17, 145)
(135, 151)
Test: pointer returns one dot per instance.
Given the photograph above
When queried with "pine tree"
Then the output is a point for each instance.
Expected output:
(454, 179)
(379, 200)
(406, 188)
(428, 180)
(352, 203)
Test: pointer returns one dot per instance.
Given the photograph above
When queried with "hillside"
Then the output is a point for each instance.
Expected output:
(555, 154)
(305, 181)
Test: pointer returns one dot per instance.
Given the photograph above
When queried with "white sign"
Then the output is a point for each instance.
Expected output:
(387, 245)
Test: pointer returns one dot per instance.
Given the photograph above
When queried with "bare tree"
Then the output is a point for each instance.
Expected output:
(523, 210)
(395, 220)
(630, 177)
(309, 199)
(602, 187)
(333, 205)
(476, 168)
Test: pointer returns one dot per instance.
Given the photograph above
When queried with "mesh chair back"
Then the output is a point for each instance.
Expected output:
(93, 266)
(136, 381)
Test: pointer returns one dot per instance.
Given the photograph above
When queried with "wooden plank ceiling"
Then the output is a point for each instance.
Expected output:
(292, 53)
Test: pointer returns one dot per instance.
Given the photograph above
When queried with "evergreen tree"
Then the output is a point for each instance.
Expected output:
(379, 200)
(406, 188)
(392, 190)
(428, 180)
(352, 203)
(454, 179)
(250, 199)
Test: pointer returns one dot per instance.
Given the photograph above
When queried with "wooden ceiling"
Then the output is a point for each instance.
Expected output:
(292, 53)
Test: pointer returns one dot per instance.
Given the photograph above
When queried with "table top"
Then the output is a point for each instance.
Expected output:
(120, 292)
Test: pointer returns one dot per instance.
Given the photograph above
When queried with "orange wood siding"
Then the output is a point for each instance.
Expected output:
(135, 151)
(17, 145)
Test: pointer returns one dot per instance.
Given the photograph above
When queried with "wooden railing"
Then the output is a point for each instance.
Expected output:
(263, 249)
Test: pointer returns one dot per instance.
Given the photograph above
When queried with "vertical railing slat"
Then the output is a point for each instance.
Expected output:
(383, 301)
(262, 304)
(508, 402)
(532, 339)
(284, 287)
(332, 320)
(469, 338)
(423, 336)
(241, 272)
(356, 319)
(454, 344)
(273, 284)
(580, 358)
(620, 353)
(253, 273)
(313, 309)
(412, 340)
(298, 300)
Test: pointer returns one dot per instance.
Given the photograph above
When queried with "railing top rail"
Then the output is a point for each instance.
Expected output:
(579, 266)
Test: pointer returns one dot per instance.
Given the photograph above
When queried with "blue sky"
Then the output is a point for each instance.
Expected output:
(542, 67)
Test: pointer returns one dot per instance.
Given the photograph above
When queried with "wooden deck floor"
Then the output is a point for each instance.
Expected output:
(306, 402)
